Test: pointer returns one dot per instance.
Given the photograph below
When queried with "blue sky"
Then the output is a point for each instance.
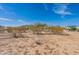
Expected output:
(16, 14)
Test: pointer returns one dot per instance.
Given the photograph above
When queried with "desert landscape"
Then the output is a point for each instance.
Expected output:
(39, 29)
(40, 44)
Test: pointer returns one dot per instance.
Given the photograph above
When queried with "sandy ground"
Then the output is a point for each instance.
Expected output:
(41, 45)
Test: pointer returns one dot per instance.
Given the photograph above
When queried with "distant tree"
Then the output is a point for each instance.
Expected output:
(72, 28)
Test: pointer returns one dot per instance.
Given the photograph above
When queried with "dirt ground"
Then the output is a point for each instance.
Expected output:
(41, 45)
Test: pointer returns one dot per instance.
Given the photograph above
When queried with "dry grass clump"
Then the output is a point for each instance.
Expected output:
(17, 35)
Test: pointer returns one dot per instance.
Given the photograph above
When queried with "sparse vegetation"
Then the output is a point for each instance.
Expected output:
(72, 28)
(39, 44)
(56, 29)
(38, 28)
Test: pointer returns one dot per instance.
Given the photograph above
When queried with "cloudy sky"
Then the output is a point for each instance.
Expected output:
(52, 14)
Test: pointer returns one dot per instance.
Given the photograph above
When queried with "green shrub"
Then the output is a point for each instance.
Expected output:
(72, 28)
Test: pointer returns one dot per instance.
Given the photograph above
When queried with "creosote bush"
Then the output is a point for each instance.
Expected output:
(36, 28)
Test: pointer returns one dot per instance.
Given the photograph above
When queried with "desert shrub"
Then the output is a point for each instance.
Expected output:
(56, 29)
(72, 28)
(14, 35)
(16, 32)
(17, 35)
(38, 27)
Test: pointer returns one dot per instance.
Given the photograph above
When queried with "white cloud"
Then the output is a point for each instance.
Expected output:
(5, 11)
(21, 21)
(5, 19)
(61, 9)
(1, 8)
(45, 6)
